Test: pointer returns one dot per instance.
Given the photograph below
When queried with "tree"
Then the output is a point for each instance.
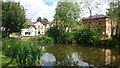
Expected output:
(45, 21)
(13, 17)
(67, 13)
(56, 33)
(90, 5)
(114, 14)
(39, 19)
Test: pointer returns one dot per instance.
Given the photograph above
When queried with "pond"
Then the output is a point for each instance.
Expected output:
(80, 55)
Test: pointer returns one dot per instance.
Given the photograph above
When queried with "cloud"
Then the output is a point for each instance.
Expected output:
(46, 8)
(38, 8)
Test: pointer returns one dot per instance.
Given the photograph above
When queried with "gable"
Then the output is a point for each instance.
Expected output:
(38, 24)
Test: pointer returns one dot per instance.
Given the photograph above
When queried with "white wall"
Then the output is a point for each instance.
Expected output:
(30, 32)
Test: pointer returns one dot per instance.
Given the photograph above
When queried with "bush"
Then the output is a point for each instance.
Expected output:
(45, 40)
(86, 36)
(42, 40)
(34, 40)
(56, 33)
(24, 53)
(68, 37)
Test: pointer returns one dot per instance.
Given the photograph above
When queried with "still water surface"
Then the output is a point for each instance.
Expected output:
(80, 55)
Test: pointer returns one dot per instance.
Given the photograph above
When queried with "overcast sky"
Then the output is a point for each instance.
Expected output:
(46, 8)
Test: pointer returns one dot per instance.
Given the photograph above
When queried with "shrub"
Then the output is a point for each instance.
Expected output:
(86, 36)
(34, 40)
(45, 40)
(24, 53)
(42, 40)
(56, 33)
(68, 37)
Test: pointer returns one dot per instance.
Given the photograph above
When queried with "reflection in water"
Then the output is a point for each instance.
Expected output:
(109, 57)
(76, 59)
(75, 55)
(47, 60)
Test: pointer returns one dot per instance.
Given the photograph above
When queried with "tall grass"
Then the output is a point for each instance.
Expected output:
(25, 53)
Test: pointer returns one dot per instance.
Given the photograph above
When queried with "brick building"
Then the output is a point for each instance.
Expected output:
(102, 21)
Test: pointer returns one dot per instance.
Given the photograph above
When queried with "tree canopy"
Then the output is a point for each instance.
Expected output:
(43, 21)
(114, 13)
(13, 17)
(67, 13)
(114, 10)
(39, 19)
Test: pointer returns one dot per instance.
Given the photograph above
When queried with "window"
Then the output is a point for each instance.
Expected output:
(99, 23)
(38, 28)
(27, 33)
(103, 32)
(38, 32)
(42, 27)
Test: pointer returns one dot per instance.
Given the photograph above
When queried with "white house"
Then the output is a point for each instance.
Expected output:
(28, 31)
(36, 28)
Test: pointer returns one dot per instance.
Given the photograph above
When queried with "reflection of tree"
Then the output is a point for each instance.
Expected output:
(64, 55)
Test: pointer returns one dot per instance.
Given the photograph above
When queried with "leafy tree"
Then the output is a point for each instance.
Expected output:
(13, 17)
(67, 13)
(90, 5)
(39, 19)
(114, 14)
(45, 21)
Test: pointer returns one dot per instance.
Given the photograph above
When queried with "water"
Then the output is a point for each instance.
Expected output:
(80, 55)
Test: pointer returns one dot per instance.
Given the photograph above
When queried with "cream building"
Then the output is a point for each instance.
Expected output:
(34, 29)
(40, 28)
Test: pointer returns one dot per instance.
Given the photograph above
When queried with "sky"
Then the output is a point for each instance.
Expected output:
(46, 8)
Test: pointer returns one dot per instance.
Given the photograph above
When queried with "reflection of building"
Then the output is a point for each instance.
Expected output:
(107, 56)
(102, 21)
